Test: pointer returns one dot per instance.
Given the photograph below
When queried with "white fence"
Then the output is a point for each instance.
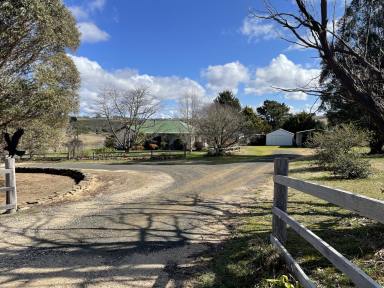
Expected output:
(10, 186)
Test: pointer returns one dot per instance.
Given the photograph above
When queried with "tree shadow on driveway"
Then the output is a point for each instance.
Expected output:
(139, 244)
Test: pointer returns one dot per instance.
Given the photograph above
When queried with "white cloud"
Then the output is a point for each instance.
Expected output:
(96, 5)
(78, 12)
(283, 73)
(256, 29)
(90, 33)
(83, 12)
(297, 95)
(227, 76)
(94, 78)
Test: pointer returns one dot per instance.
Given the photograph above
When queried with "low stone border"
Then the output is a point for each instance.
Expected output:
(83, 182)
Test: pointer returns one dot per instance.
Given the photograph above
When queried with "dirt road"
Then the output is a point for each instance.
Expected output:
(143, 224)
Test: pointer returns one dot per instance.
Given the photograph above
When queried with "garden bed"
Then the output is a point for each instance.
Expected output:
(42, 185)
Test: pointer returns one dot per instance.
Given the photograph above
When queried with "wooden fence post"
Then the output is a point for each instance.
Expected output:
(280, 198)
(10, 181)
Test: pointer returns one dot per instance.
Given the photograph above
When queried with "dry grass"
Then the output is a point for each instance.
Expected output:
(92, 140)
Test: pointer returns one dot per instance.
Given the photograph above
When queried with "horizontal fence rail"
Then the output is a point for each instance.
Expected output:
(364, 206)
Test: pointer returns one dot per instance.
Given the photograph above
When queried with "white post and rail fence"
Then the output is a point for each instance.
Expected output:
(10, 186)
(364, 206)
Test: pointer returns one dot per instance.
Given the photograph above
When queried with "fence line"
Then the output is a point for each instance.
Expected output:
(362, 205)
(10, 186)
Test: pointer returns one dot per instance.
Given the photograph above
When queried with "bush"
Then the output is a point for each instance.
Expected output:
(199, 145)
(337, 151)
(109, 141)
(351, 167)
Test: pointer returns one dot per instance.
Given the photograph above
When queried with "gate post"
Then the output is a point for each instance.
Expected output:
(280, 198)
(10, 181)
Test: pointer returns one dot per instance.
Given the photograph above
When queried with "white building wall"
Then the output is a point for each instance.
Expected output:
(279, 137)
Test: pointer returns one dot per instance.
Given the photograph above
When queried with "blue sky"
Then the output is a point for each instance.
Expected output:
(176, 46)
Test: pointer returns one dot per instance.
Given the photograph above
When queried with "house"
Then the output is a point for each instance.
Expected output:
(167, 132)
(280, 137)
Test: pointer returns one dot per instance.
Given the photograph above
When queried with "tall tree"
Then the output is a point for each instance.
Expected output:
(220, 125)
(253, 123)
(130, 108)
(189, 108)
(302, 121)
(38, 81)
(227, 97)
(340, 108)
(345, 52)
(274, 113)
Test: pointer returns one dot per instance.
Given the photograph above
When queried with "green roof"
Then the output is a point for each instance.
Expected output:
(164, 126)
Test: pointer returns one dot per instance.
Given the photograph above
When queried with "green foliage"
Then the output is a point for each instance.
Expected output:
(351, 166)
(199, 146)
(361, 26)
(302, 121)
(274, 113)
(109, 141)
(37, 78)
(40, 137)
(104, 150)
(254, 124)
(282, 282)
(337, 151)
(227, 97)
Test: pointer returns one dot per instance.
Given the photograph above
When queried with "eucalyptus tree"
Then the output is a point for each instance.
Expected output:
(38, 80)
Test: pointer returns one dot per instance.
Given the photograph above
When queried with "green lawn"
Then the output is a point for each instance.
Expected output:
(247, 260)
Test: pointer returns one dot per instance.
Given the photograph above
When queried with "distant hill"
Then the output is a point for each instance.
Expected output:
(96, 125)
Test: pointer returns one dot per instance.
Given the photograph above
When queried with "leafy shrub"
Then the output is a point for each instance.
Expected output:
(199, 145)
(282, 282)
(109, 141)
(350, 166)
(337, 151)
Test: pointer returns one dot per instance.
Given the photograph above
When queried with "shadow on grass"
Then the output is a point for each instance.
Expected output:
(247, 258)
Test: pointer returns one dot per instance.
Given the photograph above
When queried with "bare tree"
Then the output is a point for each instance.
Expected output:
(221, 125)
(189, 107)
(126, 112)
(348, 58)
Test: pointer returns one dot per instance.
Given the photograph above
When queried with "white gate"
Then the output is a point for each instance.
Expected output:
(10, 186)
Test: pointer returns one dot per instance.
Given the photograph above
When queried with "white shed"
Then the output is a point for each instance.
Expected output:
(280, 137)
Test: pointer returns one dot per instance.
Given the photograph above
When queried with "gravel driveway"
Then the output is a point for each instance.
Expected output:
(144, 222)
